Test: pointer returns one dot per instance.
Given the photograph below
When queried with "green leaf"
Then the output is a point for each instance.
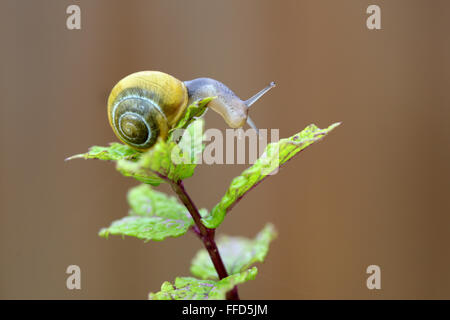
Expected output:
(192, 113)
(167, 160)
(191, 145)
(238, 254)
(153, 216)
(134, 170)
(173, 159)
(187, 288)
(146, 202)
(275, 155)
(116, 151)
(146, 228)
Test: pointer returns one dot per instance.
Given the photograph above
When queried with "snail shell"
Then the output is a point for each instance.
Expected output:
(144, 106)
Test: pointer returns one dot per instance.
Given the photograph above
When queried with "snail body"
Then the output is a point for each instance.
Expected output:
(146, 105)
(227, 104)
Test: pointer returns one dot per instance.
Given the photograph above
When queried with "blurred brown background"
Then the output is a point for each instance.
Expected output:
(376, 191)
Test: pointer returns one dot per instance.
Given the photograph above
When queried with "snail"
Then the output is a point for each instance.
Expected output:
(146, 105)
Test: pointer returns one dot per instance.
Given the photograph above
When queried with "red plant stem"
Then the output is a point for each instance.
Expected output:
(206, 235)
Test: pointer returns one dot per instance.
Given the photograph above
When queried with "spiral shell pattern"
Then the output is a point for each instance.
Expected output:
(144, 106)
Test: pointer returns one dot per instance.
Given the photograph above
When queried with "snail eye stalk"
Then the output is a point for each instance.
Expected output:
(256, 97)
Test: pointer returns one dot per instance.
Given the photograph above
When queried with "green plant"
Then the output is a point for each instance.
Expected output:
(224, 264)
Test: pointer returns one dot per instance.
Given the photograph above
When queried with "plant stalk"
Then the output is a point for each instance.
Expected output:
(206, 235)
